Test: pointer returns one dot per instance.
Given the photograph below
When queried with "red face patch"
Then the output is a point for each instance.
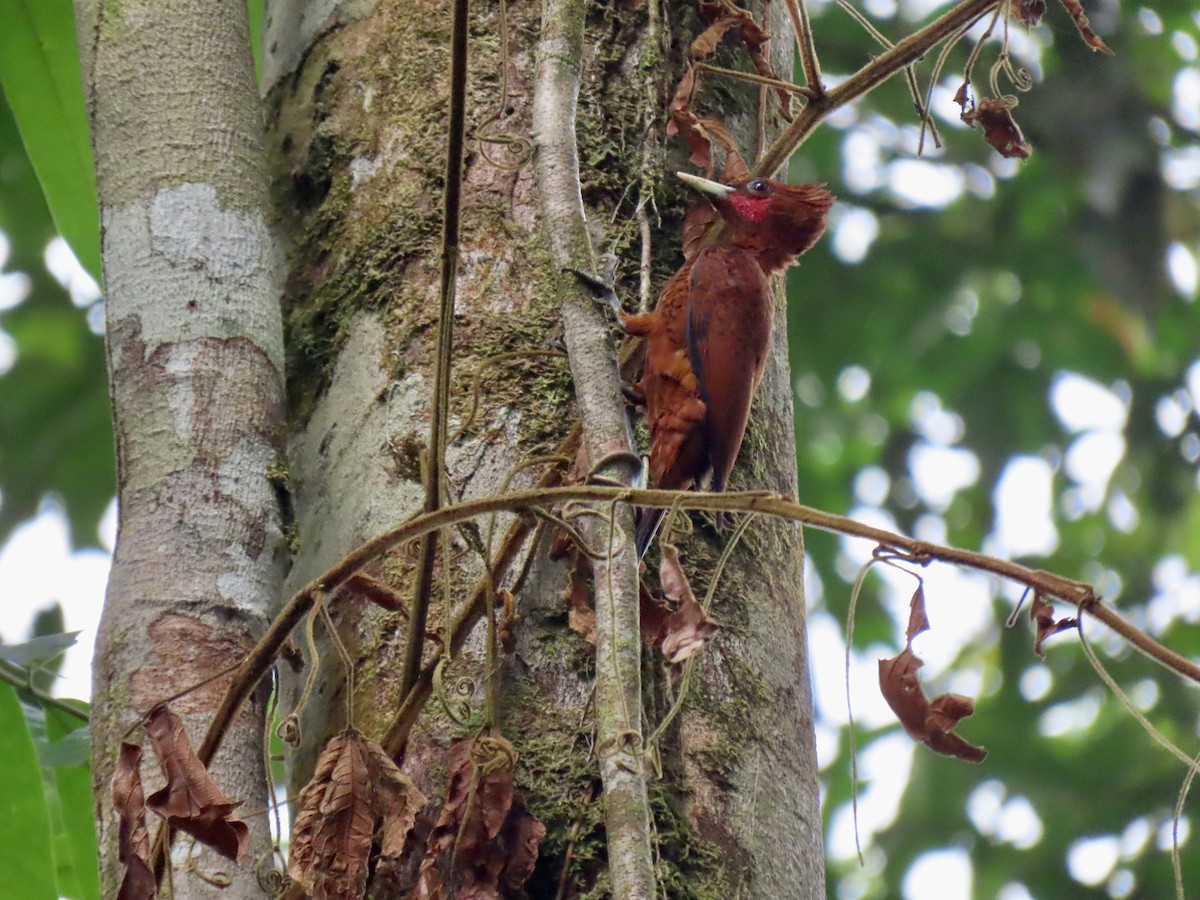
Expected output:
(752, 209)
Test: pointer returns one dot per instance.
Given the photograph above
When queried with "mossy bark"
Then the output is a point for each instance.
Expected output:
(358, 103)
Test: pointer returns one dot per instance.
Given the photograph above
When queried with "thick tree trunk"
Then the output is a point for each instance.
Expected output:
(195, 359)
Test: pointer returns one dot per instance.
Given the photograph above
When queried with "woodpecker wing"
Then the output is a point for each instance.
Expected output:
(728, 334)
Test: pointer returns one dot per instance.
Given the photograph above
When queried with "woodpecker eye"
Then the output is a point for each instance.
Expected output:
(759, 187)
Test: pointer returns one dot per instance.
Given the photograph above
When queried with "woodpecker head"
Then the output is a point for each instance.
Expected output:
(776, 221)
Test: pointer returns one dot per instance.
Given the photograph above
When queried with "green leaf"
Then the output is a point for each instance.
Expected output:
(254, 11)
(38, 649)
(75, 844)
(26, 857)
(39, 70)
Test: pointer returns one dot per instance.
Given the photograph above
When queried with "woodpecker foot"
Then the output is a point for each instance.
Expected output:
(633, 394)
(601, 289)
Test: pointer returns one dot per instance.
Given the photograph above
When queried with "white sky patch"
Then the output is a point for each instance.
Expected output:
(1185, 45)
(1035, 683)
(1181, 266)
(14, 286)
(1185, 98)
(1181, 167)
(1082, 404)
(945, 874)
(938, 472)
(1023, 502)
(853, 383)
(1090, 462)
(1192, 380)
(1163, 839)
(1177, 594)
(39, 567)
(1150, 21)
(871, 486)
(1071, 716)
(8, 352)
(1172, 412)
(883, 769)
(933, 421)
(854, 230)
(1091, 860)
(862, 161)
(69, 272)
(1014, 890)
(917, 183)
(827, 649)
(1134, 838)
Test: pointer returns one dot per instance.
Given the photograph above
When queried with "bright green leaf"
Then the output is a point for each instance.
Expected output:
(39, 70)
(75, 845)
(26, 857)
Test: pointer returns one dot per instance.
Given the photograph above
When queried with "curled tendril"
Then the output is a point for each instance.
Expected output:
(457, 707)
(491, 754)
(289, 730)
(269, 872)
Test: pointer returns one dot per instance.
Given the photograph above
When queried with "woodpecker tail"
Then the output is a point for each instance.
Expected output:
(648, 521)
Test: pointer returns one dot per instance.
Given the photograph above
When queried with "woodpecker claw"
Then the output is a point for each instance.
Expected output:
(601, 290)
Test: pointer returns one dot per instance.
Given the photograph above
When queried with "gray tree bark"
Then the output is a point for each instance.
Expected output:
(356, 96)
(195, 351)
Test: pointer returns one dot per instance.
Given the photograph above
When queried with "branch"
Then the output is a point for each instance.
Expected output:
(606, 436)
(1077, 593)
(869, 76)
(435, 463)
(804, 40)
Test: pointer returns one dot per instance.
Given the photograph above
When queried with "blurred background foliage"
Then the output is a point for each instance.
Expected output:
(994, 354)
(1003, 355)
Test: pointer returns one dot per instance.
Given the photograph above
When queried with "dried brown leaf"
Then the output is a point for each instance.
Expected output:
(710, 37)
(736, 170)
(581, 617)
(917, 620)
(1042, 614)
(129, 801)
(930, 723)
(355, 789)
(1030, 11)
(1000, 129)
(191, 800)
(685, 122)
(1075, 10)
(688, 627)
(485, 839)
(395, 800)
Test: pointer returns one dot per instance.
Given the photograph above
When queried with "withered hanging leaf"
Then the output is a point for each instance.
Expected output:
(735, 170)
(191, 800)
(917, 620)
(395, 800)
(355, 788)
(688, 626)
(1029, 11)
(133, 846)
(710, 37)
(685, 122)
(581, 617)
(1075, 10)
(1000, 129)
(484, 838)
(1042, 614)
(652, 617)
(930, 723)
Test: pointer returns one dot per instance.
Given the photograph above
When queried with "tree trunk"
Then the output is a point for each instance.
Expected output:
(357, 97)
(195, 355)
(358, 106)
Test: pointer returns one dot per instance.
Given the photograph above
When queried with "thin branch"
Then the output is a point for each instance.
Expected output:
(1077, 593)
(606, 436)
(808, 50)
(435, 469)
(869, 76)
